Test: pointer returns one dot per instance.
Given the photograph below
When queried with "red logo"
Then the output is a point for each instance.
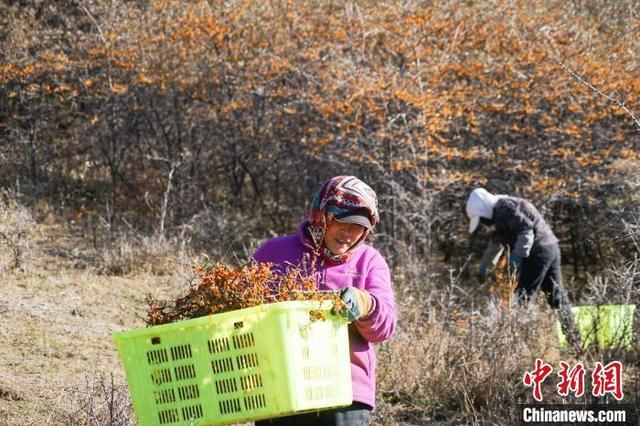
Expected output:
(572, 379)
(604, 379)
(607, 379)
(536, 377)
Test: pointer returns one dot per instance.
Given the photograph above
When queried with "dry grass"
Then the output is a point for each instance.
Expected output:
(16, 230)
(461, 365)
(129, 253)
(55, 324)
(459, 355)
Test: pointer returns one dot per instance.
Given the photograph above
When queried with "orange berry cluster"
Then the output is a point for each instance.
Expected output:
(223, 288)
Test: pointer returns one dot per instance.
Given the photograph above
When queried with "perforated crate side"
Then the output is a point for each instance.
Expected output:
(237, 366)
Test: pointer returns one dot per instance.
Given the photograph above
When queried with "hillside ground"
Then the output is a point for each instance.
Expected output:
(56, 322)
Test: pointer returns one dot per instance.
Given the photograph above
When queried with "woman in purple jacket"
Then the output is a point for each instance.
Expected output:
(330, 244)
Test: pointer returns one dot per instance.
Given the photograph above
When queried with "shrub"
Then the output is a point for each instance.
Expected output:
(102, 401)
(16, 230)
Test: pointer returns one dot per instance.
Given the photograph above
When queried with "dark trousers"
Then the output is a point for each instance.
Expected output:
(541, 271)
(356, 414)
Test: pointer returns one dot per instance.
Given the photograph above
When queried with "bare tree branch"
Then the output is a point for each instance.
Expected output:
(582, 80)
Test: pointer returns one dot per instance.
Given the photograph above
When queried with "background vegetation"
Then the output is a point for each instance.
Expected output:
(145, 129)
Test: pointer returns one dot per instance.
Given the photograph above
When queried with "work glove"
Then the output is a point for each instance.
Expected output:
(359, 303)
(481, 275)
(515, 262)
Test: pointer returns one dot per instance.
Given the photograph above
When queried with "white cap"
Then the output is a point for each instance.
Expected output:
(479, 204)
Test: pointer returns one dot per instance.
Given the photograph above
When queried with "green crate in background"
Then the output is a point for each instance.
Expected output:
(604, 326)
(250, 364)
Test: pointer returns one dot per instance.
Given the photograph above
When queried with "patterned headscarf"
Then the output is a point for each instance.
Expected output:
(337, 196)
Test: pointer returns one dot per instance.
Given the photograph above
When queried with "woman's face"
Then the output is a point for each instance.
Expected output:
(340, 236)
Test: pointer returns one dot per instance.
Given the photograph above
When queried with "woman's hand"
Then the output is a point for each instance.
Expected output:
(359, 303)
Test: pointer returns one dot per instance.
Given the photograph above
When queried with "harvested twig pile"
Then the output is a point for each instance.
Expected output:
(223, 288)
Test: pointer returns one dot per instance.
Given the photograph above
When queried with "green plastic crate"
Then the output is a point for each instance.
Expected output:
(250, 364)
(605, 326)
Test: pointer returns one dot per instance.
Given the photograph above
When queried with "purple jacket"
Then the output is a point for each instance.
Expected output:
(366, 269)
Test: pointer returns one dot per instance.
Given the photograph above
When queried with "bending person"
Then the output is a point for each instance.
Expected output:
(534, 250)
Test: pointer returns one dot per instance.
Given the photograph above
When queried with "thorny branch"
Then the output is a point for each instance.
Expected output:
(582, 80)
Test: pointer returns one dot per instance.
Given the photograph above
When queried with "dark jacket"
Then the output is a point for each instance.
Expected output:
(518, 225)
